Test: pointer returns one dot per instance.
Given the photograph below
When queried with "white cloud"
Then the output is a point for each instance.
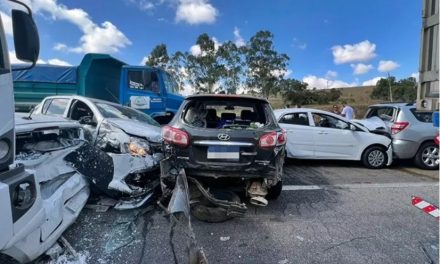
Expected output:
(372, 82)
(143, 61)
(331, 74)
(187, 89)
(59, 62)
(279, 73)
(387, 66)
(323, 83)
(239, 41)
(415, 75)
(362, 51)
(196, 12)
(298, 44)
(104, 38)
(7, 23)
(60, 46)
(361, 68)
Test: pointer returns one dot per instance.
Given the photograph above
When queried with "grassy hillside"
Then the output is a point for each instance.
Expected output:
(358, 97)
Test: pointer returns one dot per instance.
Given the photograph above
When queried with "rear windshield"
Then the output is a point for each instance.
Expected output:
(425, 117)
(227, 114)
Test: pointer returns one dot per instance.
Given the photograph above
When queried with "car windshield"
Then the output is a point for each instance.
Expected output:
(219, 113)
(115, 111)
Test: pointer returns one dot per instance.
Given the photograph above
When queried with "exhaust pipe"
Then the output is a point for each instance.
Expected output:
(258, 200)
(257, 193)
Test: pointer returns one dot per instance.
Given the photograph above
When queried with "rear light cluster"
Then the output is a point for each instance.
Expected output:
(436, 138)
(175, 136)
(273, 139)
(398, 127)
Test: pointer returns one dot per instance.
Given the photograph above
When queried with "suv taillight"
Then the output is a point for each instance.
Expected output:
(175, 136)
(398, 127)
(272, 139)
(436, 138)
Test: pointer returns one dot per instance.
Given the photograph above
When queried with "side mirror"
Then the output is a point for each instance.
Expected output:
(353, 127)
(87, 120)
(26, 40)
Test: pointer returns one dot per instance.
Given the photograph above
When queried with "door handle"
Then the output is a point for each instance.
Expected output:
(322, 133)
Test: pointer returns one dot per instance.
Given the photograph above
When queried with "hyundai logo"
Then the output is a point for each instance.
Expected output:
(223, 136)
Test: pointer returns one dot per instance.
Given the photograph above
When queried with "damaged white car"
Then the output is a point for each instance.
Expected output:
(131, 138)
(49, 193)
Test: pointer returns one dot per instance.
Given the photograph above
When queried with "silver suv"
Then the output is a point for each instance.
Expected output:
(413, 132)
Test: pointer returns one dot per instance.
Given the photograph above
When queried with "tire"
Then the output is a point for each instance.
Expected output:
(427, 156)
(374, 157)
(274, 192)
(207, 212)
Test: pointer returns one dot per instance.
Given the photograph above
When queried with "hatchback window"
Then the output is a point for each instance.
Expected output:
(226, 114)
(56, 107)
(384, 113)
(425, 117)
(323, 120)
(116, 111)
(295, 119)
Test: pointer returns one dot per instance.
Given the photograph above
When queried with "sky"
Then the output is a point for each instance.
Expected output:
(336, 43)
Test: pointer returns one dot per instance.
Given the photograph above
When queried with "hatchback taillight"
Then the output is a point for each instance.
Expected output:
(436, 138)
(175, 136)
(398, 127)
(272, 139)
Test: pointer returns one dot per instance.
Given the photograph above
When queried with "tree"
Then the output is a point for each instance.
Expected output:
(204, 68)
(266, 67)
(158, 57)
(403, 90)
(231, 58)
(295, 92)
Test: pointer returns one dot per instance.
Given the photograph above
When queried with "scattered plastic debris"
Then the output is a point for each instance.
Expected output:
(223, 239)
(66, 258)
(300, 238)
(284, 261)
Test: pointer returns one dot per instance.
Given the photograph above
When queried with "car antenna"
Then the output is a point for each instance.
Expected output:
(29, 117)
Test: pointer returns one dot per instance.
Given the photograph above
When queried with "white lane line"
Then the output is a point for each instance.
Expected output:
(300, 187)
(359, 186)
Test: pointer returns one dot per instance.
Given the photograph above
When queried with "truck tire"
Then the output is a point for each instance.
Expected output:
(207, 212)
(427, 156)
(375, 157)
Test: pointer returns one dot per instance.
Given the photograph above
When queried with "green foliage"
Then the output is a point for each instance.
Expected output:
(404, 90)
(296, 93)
(158, 57)
(266, 67)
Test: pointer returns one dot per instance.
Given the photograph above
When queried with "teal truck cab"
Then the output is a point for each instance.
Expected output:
(150, 90)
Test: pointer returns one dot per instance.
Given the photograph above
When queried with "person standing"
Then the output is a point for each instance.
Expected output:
(335, 110)
(347, 111)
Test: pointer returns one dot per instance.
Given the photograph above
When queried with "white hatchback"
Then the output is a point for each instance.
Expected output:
(317, 134)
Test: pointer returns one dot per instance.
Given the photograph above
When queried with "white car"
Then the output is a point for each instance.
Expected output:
(317, 134)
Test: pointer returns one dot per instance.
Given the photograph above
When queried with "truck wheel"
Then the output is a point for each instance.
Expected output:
(207, 212)
(374, 157)
(427, 156)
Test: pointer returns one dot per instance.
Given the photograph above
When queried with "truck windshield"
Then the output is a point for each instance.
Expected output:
(114, 111)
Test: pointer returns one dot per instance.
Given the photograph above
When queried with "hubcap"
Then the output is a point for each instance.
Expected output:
(376, 158)
(430, 156)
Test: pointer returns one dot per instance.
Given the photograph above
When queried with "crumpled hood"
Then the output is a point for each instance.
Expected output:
(136, 128)
(372, 123)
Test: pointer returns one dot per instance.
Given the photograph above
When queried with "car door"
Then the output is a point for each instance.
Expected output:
(299, 134)
(333, 138)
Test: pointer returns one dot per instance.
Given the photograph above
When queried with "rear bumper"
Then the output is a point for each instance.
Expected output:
(404, 149)
(390, 155)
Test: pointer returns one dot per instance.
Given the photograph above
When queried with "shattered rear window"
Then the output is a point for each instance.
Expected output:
(218, 113)
(425, 117)
(115, 111)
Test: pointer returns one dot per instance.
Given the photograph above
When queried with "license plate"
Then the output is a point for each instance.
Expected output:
(224, 152)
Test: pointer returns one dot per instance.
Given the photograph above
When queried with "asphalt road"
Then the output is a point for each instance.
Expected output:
(330, 212)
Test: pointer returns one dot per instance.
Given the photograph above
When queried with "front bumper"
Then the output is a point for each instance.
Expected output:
(404, 149)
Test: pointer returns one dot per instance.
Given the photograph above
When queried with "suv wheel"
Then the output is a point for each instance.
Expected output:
(275, 191)
(374, 157)
(427, 156)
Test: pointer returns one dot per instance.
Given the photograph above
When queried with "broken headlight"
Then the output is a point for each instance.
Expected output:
(138, 147)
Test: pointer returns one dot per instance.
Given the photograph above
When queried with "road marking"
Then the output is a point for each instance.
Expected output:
(425, 207)
(358, 186)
